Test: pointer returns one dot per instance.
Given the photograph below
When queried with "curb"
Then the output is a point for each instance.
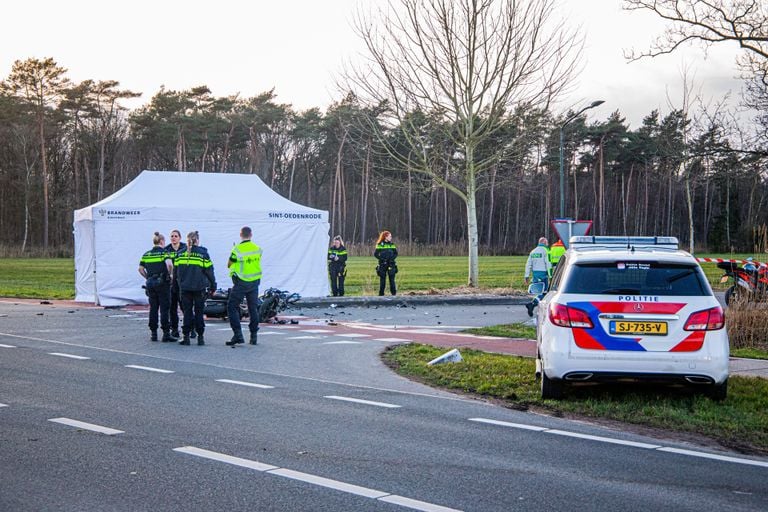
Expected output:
(411, 300)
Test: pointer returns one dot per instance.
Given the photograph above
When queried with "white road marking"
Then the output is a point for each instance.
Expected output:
(328, 483)
(7, 346)
(120, 316)
(148, 368)
(724, 458)
(366, 402)
(144, 318)
(304, 338)
(71, 356)
(316, 331)
(602, 439)
(353, 335)
(267, 333)
(342, 343)
(416, 504)
(87, 426)
(392, 339)
(235, 461)
(507, 424)
(3, 405)
(249, 384)
(634, 444)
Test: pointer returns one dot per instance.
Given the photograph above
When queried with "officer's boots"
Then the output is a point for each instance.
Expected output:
(237, 338)
(167, 338)
(153, 335)
(175, 334)
(200, 339)
(185, 340)
(254, 336)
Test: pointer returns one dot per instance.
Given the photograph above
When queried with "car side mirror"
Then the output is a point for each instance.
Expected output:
(536, 288)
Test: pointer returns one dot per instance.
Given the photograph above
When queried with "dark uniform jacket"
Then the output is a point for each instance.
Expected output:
(153, 262)
(195, 270)
(386, 252)
(174, 254)
(337, 258)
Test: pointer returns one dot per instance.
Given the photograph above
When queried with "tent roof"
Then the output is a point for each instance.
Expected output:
(194, 189)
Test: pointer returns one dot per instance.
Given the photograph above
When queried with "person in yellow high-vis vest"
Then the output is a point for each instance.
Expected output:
(245, 269)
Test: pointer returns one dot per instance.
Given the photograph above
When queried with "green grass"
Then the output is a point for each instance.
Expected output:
(751, 353)
(38, 278)
(516, 330)
(739, 422)
(53, 278)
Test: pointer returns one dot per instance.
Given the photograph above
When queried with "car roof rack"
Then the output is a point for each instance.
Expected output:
(626, 242)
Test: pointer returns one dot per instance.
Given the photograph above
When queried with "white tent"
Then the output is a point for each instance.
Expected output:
(112, 235)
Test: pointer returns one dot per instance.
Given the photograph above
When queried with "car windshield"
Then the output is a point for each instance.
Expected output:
(637, 278)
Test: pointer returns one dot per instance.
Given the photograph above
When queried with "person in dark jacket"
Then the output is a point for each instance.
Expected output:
(194, 270)
(155, 266)
(175, 248)
(386, 253)
(337, 266)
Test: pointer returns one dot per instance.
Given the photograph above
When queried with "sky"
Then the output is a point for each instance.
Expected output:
(297, 47)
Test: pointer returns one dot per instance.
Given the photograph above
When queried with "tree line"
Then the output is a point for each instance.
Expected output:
(64, 146)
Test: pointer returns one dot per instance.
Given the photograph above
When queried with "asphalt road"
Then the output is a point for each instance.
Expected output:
(304, 421)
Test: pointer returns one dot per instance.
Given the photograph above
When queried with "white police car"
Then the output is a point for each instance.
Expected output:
(630, 308)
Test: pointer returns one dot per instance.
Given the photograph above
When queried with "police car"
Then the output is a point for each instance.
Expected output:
(630, 308)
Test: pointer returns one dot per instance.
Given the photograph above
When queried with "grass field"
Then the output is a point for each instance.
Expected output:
(739, 422)
(53, 278)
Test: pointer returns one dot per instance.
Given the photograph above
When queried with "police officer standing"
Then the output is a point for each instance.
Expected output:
(539, 265)
(386, 252)
(175, 248)
(337, 266)
(195, 272)
(245, 268)
(156, 267)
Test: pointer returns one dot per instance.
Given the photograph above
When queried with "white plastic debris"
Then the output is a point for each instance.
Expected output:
(452, 356)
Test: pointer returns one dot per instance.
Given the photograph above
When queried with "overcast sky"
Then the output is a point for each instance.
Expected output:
(296, 46)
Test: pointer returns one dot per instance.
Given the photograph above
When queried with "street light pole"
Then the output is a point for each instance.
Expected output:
(562, 173)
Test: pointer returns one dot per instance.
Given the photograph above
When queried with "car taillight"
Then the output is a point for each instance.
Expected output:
(566, 316)
(710, 319)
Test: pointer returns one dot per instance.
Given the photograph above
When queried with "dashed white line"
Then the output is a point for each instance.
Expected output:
(353, 335)
(634, 444)
(602, 439)
(337, 485)
(415, 504)
(342, 343)
(7, 346)
(148, 368)
(267, 333)
(327, 482)
(70, 356)
(304, 338)
(3, 405)
(724, 458)
(365, 402)
(249, 384)
(87, 426)
(120, 316)
(507, 424)
(235, 461)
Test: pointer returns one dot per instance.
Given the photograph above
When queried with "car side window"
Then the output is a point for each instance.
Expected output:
(558, 275)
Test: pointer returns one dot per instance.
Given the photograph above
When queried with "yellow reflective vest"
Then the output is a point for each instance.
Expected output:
(246, 261)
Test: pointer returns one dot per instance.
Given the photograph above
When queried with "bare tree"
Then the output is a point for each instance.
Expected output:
(464, 64)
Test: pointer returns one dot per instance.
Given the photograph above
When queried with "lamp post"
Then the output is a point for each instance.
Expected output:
(562, 127)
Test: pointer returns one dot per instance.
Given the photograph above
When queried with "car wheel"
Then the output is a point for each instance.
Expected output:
(718, 391)
(551, 389)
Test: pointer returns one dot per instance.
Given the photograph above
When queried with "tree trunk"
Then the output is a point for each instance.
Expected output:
(489, 238)
(44, 165)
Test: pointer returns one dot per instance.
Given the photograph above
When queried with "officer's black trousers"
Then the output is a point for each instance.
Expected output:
(158, 300)
(192, 305)
(175, 303)
(383, 281)
(337, 273)
(249, 290)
